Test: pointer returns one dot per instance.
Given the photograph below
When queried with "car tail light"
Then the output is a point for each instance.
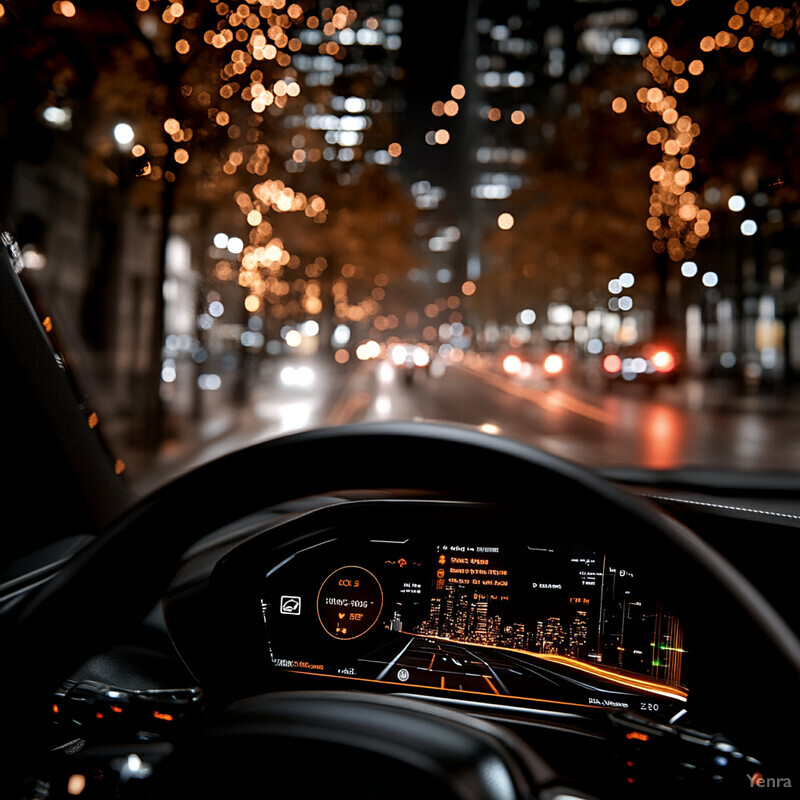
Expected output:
(663, 361)
(612, 364)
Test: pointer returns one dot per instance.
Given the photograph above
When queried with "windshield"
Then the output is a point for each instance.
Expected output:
(570, 223)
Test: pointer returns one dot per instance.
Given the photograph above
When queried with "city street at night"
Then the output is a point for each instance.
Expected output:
(402, 400)
(689, 424)
(234, 231)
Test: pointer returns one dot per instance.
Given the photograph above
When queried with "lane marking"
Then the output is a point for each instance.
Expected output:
(397, 658)
(489, 667)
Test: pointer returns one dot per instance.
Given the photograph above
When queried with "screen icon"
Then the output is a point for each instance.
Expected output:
(290, 605)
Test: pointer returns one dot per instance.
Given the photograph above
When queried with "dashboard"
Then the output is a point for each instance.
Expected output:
(456, 600)
(588, 632)
(583, 633)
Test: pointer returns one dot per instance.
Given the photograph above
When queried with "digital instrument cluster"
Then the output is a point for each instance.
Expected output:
(518, 621)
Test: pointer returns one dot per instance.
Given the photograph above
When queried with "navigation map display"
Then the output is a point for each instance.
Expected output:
(523, 621)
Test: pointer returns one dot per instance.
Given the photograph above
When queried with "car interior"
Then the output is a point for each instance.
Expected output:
(307, 632)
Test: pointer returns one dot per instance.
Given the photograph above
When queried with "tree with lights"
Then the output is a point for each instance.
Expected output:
(206, 89)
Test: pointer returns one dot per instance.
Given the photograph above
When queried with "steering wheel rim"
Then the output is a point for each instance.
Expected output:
(116, 580)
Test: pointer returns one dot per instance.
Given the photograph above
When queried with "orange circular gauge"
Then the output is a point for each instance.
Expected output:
(349, 602)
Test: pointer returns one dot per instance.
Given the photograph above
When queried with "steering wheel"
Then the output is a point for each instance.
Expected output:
(117, 579)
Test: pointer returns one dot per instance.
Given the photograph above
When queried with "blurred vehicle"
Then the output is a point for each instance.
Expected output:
(646, 364)
(411, 359)
(539, 365)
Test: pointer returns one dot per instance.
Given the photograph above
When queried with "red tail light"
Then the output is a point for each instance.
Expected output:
(663, 361)
(612, 363)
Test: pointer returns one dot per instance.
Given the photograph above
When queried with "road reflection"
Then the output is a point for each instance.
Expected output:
(663, 437)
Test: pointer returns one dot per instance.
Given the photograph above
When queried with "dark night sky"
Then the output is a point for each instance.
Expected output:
(430, 57)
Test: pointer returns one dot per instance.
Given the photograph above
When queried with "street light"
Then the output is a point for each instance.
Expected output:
(123, 134)
(736, 203)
